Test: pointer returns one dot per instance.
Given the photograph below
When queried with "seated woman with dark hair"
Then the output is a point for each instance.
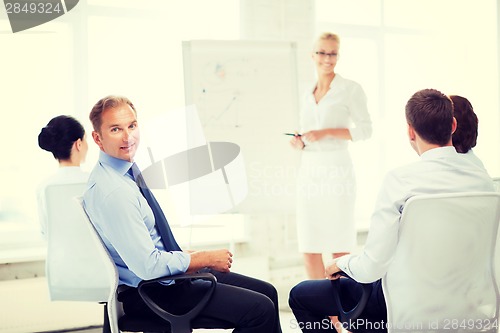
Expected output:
(465, 136)
(65, 138)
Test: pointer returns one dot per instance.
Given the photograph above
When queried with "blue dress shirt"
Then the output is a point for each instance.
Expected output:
(126, 224)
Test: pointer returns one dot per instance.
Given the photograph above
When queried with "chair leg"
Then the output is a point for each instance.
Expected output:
(105, 326)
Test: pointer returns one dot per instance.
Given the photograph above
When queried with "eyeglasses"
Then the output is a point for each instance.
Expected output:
(324, 54)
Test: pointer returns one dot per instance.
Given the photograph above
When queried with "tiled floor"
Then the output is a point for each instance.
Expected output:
(285, 317)
(25, 308)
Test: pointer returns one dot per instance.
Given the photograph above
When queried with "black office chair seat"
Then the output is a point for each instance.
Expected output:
(166, 322)
(156, 325)
(133, 324)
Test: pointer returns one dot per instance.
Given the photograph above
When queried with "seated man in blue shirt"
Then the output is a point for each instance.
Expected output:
(126, 223)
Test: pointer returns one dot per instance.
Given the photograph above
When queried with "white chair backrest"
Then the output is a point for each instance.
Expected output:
(442, 276)
(115, 308)
(78, 267)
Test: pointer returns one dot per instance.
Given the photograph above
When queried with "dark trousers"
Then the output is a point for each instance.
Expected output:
(240, 302)
(312, 303)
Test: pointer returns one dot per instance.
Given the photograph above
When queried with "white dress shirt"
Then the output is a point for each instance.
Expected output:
(473, 158)
(439, 170)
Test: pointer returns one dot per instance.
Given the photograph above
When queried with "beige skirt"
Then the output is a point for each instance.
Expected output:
(326, 194)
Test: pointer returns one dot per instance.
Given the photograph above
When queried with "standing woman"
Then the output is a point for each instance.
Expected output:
(65, 138)
(333, 112)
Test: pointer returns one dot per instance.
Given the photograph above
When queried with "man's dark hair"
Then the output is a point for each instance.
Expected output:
(430, 113)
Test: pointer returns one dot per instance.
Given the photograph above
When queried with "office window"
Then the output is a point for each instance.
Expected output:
(36, 84)
(64, 66)
(394, 48)
(357, 12)
(140, 54)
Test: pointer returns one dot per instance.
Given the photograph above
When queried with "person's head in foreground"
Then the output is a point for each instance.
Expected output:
(429, 114)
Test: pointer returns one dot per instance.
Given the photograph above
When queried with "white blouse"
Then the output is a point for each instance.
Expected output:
(63, 175)
(343, 106)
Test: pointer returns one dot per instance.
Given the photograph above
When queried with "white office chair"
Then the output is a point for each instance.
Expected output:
(79, 268)
(442, 277)
(72, 249)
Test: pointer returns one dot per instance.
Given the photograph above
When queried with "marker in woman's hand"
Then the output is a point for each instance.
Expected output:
(293, 134)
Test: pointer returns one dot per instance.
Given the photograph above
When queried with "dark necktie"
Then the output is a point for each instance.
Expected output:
(160, 220)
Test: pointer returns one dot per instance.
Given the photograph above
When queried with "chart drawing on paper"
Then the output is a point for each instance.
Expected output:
(246, 93)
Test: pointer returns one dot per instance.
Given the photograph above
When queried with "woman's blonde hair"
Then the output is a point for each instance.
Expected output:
(327, 36)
